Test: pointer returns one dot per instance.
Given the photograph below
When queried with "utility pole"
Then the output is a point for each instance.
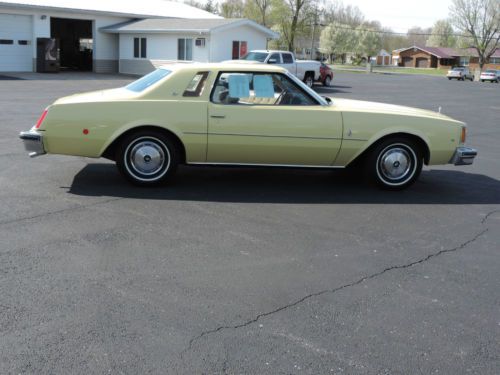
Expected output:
(315, 23)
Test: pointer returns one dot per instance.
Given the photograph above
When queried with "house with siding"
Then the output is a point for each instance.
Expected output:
(111, 36)
(443, 58)
(146, 44)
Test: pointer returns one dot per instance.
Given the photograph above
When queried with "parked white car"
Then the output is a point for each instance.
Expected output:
(460, 73)
(305, 70)
(491, 75)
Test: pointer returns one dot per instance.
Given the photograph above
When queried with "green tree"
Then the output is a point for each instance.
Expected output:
(337, 40)
(232, 9)
(369, 40)
(211, 7)
(443, 35)
(418, 36)
(480, 21)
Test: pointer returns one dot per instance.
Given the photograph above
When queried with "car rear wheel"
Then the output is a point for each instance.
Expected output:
(395, 163)
(327, 82)
(147, 158)
(309, 80)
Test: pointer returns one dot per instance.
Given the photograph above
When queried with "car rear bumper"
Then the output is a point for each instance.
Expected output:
(33, 143)
(463, 156)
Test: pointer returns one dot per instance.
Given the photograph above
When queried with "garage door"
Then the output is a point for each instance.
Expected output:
(422, 62)
(408, 61)
(16, 46)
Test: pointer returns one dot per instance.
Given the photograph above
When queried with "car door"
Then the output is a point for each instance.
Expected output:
(288, 62)
(266, 118)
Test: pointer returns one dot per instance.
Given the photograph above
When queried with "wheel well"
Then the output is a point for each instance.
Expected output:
(421, 144)
(110, 151)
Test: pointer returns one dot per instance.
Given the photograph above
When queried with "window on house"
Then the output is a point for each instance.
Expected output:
(6, 41)
(185, 49)
(140, 48)
(23, 42)
(464, 61)
(240, 49)
(494, 60)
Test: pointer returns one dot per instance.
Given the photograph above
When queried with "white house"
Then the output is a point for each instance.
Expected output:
(99, 35)
(146, 44)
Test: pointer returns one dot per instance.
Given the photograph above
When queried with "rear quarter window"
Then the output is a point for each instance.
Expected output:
(148, 80)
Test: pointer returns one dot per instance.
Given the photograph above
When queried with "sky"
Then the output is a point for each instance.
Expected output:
(400, 15)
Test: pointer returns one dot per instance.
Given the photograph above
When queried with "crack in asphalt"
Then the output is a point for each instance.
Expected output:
(335, 290)
(58, 211)
(485, 219)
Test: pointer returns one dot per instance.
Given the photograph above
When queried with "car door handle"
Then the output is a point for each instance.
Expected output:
(218, 116)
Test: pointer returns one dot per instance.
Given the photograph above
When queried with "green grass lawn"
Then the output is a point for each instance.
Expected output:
(390, 69)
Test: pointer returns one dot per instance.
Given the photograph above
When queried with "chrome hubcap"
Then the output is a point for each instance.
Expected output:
(147, 158)
(395, 163)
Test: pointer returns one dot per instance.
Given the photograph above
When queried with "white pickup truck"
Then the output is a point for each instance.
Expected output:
(306, 70)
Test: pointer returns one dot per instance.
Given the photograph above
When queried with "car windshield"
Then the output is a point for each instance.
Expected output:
(150, 79)
(255, 56)
(458, 69)
(491, 71)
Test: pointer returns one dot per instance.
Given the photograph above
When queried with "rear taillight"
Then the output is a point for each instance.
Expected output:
(463, 135)
(40, 120)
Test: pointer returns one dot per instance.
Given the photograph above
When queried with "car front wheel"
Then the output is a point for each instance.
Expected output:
(147, 158)
(395, 163)
(328, 81)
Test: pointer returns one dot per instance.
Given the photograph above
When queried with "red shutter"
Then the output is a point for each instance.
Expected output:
(243, 49)
(236, 47)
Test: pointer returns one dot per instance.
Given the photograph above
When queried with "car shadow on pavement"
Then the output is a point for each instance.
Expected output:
(334, 89)
(280, 185)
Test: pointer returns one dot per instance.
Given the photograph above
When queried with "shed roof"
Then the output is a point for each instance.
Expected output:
(135, 9)
(171, 25)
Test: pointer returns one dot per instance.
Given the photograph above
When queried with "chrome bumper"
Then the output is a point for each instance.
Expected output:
(33, 143)
(463, 156)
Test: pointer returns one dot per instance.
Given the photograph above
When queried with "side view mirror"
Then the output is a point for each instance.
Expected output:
(272, 61)
(328, 100)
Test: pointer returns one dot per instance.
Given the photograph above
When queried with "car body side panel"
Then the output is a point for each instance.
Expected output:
(362, 129)
(268, 134)
(105, 121)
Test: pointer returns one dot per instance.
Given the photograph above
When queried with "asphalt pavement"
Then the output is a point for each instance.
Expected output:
(250, 271)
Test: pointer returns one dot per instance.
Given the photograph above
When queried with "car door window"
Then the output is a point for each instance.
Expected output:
(287, 58)
(276, 57)
(241, 88)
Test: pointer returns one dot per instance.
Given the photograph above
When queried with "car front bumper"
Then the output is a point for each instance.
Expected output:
(463, 156)
(33, 143)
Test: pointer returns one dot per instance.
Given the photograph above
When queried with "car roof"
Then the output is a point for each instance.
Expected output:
(230, 66)
(269, 51)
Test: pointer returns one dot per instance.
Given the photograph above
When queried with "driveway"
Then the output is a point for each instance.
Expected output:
(250, 270)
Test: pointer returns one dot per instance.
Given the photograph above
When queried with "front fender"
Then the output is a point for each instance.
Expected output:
(362, 130)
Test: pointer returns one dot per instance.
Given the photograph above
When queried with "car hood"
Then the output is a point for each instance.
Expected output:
(98, 96)
(348, 105)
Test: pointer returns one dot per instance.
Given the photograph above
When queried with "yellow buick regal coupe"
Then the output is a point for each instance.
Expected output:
(246, 115)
